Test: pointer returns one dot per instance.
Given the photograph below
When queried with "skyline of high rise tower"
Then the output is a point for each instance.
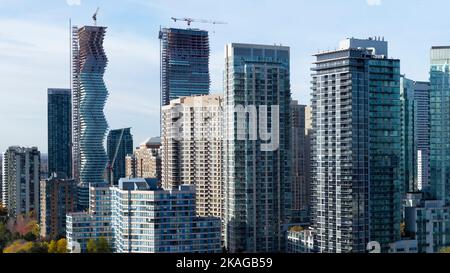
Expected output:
(440, 123)
(257, 166)
(21, 174)
(357, 182)
(301, 180)
(415, 99)
(89, 98)
(59, 120)
(364, 169)
(184, 63)
(191, 149)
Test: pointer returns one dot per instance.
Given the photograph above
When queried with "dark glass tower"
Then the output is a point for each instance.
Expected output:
(300, 115)
(184, 63)
(415, 98)
(357, 181)
(59, 131)
(119, 145)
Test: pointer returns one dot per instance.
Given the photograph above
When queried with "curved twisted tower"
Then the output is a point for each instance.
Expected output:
(92, 95)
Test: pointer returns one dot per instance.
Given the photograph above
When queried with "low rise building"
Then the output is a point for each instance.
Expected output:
(404, 246)
(148, 219)
(428, 222)
(138, 216)
(145, 162)
(300, 240)
(92, 224)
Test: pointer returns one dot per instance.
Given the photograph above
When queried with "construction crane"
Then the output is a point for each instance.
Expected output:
(94, 17)
(203, 21)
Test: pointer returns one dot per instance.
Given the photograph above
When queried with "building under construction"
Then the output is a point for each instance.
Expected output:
(184, 63)
(89, 94)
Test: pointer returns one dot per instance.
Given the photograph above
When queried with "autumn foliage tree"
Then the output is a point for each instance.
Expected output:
(22, 235)
(100, 245)
(23, 246)
(91, 246)
(52, 247)
(445, 250)
(5, 236)
(59, 246)
(19, 246)
(25, 225)
(3, 211)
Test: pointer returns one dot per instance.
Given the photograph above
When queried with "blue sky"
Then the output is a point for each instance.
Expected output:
(34, 48)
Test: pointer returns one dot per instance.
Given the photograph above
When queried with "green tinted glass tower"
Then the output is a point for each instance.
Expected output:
(356, 147)
(385, 151)
(119, 144)
(257, 174)
(440, 123)
(59, 131)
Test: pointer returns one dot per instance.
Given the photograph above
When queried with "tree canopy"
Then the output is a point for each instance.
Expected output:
(19, 246)
(445, 250)
(61, 246)
(296, 228)
(100, 245)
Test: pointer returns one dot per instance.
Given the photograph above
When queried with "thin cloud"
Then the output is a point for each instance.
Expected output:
(73, 2)
(374, 2)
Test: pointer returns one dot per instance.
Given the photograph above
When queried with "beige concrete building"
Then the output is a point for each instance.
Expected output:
(192, 149)
(145, 162)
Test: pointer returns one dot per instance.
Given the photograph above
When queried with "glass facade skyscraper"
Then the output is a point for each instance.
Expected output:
(385, 176)
(119, 144)
(422, 134)
(356, 147)
(415, 99)
(407, 118)
(257, 176)
(184, 63)
(59, 131)
(89, 98)
(440, 123)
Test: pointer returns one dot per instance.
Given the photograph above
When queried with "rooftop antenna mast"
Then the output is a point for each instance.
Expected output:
(94, 17)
